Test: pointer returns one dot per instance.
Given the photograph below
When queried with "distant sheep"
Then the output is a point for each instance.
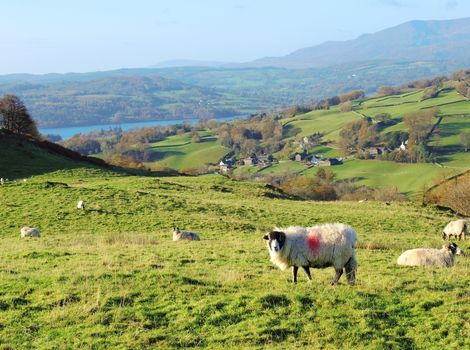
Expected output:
(444, 257)
(81, 205)
(318, 247)
(29, 232)
(456, 228)
(181, 235)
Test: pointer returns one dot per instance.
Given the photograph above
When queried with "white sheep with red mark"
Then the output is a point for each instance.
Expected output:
(179, 235)
(318, 247)
(444, 257)
(29, 232)
(457, 228)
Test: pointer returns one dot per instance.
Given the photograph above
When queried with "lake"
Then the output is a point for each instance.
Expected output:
(68, 132)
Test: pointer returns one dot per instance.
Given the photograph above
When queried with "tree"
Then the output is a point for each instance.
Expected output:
(348, 137)
(383, 118)
(83, 145)
(195, 138)
(461, 88)
(420, 124)
(386, 91)
(353, 95)
(465, 139)
(14, 116)
(345, 106)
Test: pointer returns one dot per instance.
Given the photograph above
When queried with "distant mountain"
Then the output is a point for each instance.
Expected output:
(447, 40)
(189, 63)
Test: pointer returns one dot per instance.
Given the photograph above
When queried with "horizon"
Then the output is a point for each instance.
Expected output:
(89, 37)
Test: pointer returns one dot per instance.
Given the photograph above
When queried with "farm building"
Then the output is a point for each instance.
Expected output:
(225, 166)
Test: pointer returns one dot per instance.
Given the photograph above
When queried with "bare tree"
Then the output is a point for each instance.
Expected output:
(465, 139)
(14, 116)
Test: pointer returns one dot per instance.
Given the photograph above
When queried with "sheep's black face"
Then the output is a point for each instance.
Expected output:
(454, 248)
(276, 240)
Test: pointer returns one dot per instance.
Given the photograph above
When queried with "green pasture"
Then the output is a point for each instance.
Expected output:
(111, 276)
(178, 152)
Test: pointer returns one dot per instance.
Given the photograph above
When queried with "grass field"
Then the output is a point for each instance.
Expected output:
(111, 277)
(408, 178)
(178, 152)
(328, 122)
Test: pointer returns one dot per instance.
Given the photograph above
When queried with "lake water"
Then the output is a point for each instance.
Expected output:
(68, 132)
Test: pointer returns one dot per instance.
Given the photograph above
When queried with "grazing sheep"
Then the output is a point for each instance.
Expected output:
(317, 247)
(81, 205)
(29, 232)
(2, 181)
(444, 257)
(180, 235)
(457, 228)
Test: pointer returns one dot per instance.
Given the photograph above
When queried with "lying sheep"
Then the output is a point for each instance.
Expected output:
(180, 235)
(444, 257)
(29, 232)
(317, 247)
(457, 228)
(81, 205)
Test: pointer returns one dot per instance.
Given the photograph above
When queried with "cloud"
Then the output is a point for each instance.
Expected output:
(450, 4)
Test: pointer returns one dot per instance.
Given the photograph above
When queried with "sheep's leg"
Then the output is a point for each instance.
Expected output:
(350, 268)
(294, 273)
(307, 272)
(339, 272)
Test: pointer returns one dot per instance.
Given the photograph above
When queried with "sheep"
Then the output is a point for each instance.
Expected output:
(180, 235)
(457, 228)
(318, 247)
(29, 232)
(2, 181)
(444, 257)
(81, 205)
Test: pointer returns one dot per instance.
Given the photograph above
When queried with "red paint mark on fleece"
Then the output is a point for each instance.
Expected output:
(313, 241)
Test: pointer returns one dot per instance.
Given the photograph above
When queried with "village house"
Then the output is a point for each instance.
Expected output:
(252, 160)
(320, 161)
(298, 157)
(225, 166)
(265, 159)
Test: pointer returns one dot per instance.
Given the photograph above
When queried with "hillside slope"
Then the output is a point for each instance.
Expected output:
(22, 157)
(454, 109)
(111, 276)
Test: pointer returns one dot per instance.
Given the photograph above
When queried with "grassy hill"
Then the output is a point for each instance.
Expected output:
(178, 152)
(111, 277)
(409, 178)
(21, 158)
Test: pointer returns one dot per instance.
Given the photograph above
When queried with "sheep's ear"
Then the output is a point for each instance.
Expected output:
(266, 237)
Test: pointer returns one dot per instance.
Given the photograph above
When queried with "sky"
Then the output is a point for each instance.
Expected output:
(44, 36)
